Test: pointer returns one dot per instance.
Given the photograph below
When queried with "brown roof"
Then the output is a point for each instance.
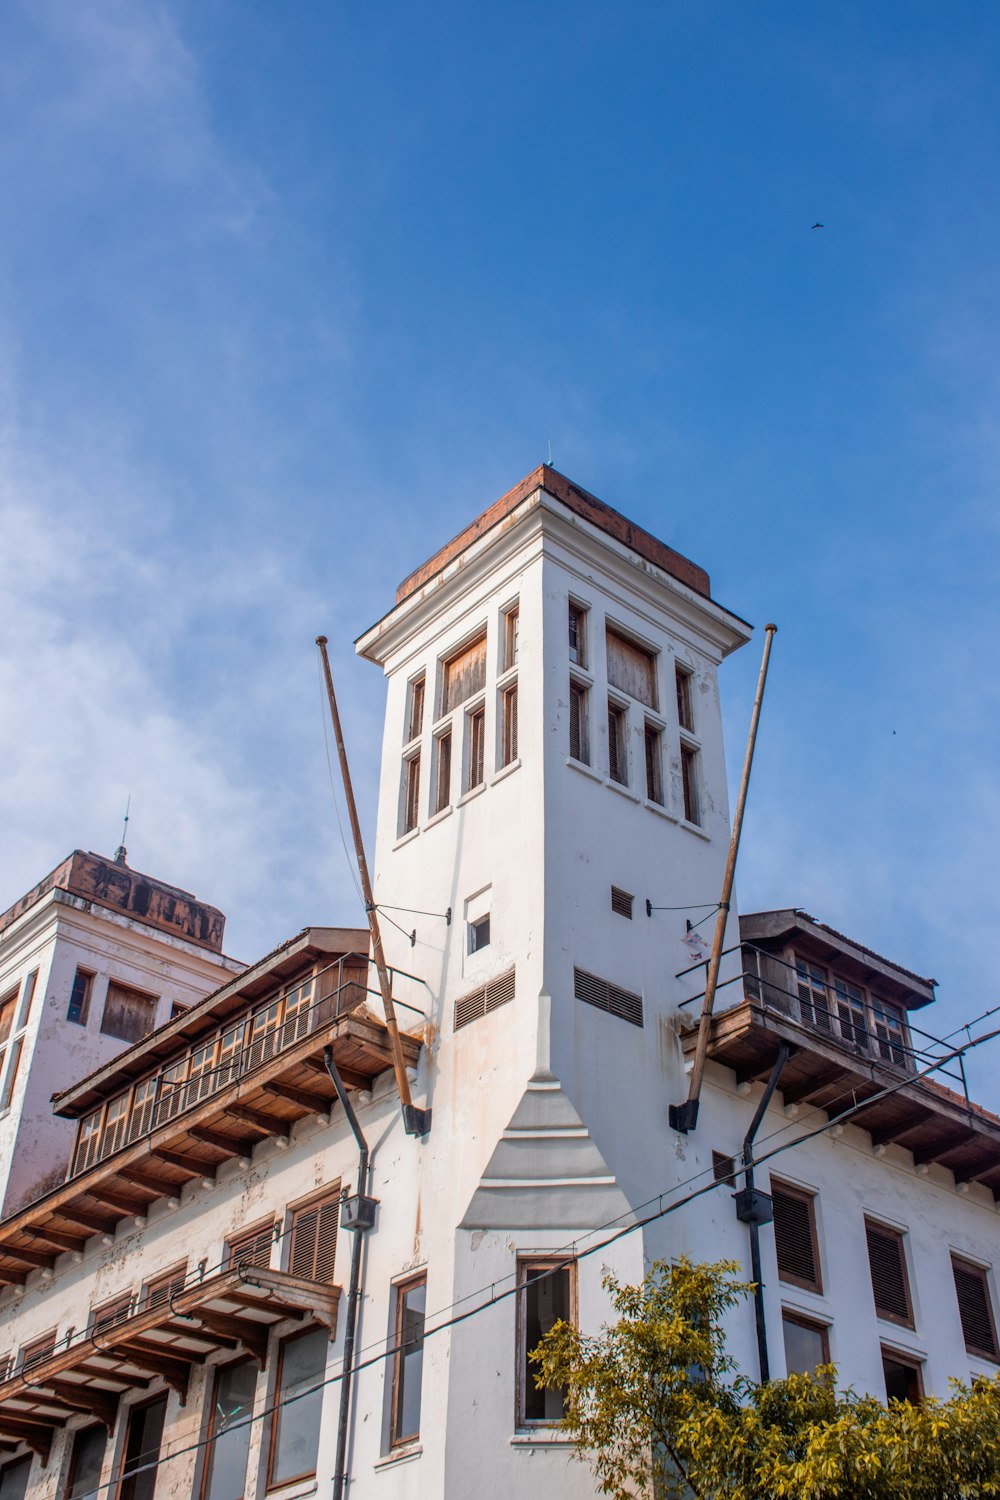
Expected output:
(583, 504)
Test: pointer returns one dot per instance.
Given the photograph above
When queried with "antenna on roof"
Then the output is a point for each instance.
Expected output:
(121, 851)
(550, 453)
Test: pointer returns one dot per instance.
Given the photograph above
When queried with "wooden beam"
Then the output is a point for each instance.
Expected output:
(7, 1274)
(96, 1223)
(174, 1371)
(149, 1181)
(258, 1119)
(96, 1372)
(60, 1241)
(253, 1336)
(808, 1088)
(37, 1435)
(264, 1304)
(349, 1078)
(124, 1207)
(29, 1257)
(944, 1148)
(892, 1135)
(186, 1331)
(221, 1142)
(183, 1162)
(101, 1404)
(316, 1103)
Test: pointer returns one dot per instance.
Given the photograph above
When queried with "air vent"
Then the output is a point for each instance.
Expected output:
(478, 1003)
(723, 1167)
(606, 996)
(621, 902)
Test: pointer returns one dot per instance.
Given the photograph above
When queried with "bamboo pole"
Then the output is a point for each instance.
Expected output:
(684, 1117)
(416, 1120)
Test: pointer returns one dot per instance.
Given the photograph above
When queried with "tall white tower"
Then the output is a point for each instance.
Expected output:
(552, 762)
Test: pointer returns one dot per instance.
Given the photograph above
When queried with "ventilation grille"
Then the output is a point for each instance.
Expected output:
(621, 902)
(723, 1167)
(974, 1310)
(479, 1003)
(607, 996)
(888, 1267)
(795, 1237)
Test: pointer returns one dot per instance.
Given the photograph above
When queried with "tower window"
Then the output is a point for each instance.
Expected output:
(511, 625)
(577, 634)
(508, 725)
(465, 674)
(79, 1000)
(689, 782)
(653, 741)
(411, 793)
(617, 752)
(476, 741)
(579, 726)
(479, 933)
(415, 714)
(685, 715)
(442, 776)
(631, 668)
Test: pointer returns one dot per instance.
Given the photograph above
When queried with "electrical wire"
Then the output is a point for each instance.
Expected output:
(575, 1254)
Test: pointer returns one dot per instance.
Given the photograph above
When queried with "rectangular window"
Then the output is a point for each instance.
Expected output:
(577, 634)
(653, 741)
(890, 1032)
(27, 995)
(617, 750)
(408, 1360)
(14, 1479)
(795, 1236)
(631, 668)
(476, 742)
(415, 708)
(86, 1463)
(11, 1078)
(546, 1294)
(850, 1006)
(814, 995)
(579, 726)
(689, 784)
(508, 725)
(975, 1308)
(7, 1007)
(129, 1014)
(313, 1243)
(108, 1315)
(140, 1120)
(298, 1407)
(511, 629)
(88, 1137)
(465, 674)
(479, 933)
(158, 1291)
(142, 1450)
(807, 1344)
(79, 999)
(442, 771)
(621, 902)
(37, 1352)
(116, 1115)
(890, 1283)
(202, 1078)
(229, 1429)
(252, 1247)
(903, 1377)
(685, 715)
(411, 793)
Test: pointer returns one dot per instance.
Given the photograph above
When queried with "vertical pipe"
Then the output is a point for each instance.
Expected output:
(784, 1053)
(354, 1290)
(684, 1117)
(416, 1121)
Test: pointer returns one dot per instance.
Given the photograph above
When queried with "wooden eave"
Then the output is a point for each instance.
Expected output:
(293, 958)
(773, 929)
(263, 1103)
(88, 1376)
(929, 1120)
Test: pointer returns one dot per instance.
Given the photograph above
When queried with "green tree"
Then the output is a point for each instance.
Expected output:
(653, 1403)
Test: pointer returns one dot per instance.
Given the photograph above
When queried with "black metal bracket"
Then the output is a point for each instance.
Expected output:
(358, 1213)
(416, 1121)
(683, 1117)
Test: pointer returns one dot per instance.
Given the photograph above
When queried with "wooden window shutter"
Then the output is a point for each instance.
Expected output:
(795, 1237)
(314, 1238)
(252, 1248)
(465, 674)
(631, 669)
(888, 1267)
(975, 1309)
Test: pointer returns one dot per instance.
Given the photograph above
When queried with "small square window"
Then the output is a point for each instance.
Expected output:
(479, 933)
(903, 1377)
(807, 1344)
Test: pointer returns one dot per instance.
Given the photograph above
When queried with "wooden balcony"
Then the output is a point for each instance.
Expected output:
(935, 1123)
(220, 1088)
(89, 1374)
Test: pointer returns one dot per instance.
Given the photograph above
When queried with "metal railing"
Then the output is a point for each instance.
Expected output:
(236, 1048)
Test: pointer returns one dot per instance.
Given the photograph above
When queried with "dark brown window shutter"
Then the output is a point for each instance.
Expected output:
(252, 1248)
(795, 1237)
(888, 1267)
(974, 1309)
(314, 1238)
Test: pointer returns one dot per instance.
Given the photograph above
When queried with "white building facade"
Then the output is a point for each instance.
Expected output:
(552, 814)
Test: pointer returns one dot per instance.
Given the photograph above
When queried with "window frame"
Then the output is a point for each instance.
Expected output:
(327, 1197)
(275, 1426)
(690, 765)
(508, 746)
(981, 1274)
(252, 1233)
(88, 976)
(475, 746)
(581, 691)
(442, 769)
(161, 1397)
(536, 1261)
(908, 1361)
(800, 1195)
(211, 1427)
(652, 731)
(78, 1436)
(400, 1290)
(802, 1320)
(409, 794)
(416, 708)
(13, 1462)
(899, 1235)
(618, 726)
(133, 993)
(577, 622)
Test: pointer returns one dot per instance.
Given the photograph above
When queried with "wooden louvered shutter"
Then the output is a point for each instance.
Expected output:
(975, 1309)
(465, 674)
(252, 1248)
(314, 1238)
(795, 1237)
(888, 1266)
(631, 669)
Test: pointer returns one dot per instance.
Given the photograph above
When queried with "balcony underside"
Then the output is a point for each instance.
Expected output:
(225, 1312)
(264, 1103)
(931, 1121)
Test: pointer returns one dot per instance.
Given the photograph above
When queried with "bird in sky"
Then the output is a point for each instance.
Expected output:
(819, 226)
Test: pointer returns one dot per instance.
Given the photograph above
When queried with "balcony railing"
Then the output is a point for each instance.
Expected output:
(229, 1054)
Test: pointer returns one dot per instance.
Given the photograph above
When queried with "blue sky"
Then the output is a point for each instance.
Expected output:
(289, 293)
